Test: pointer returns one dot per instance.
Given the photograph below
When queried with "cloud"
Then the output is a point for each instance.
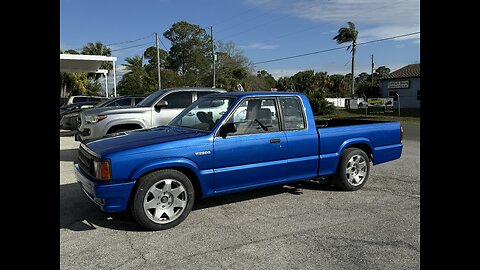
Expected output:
(386, 31)
(277, 73)
(258, 46)
(377, 18)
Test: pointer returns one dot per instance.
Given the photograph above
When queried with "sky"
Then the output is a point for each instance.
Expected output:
(264, 29)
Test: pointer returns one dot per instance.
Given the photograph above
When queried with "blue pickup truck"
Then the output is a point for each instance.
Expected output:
(224, 143)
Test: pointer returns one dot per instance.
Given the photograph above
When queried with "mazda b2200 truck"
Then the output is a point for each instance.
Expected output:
(224, 143)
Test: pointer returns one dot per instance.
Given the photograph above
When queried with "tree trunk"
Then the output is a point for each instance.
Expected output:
(353, 64)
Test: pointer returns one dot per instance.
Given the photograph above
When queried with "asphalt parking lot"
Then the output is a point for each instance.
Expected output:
(301, 226)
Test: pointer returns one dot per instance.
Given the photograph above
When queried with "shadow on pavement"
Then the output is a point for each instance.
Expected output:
(67, 133)
(68, 154)
(77, 213)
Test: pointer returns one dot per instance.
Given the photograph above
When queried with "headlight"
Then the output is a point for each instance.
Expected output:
(94, 118)
(102, 169)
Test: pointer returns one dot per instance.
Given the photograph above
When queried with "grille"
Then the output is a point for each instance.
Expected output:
(85, 161)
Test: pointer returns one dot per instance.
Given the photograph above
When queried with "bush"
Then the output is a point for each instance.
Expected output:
(320, 105)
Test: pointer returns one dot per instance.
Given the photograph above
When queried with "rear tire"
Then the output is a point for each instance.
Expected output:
(162, 200)
(353, 170)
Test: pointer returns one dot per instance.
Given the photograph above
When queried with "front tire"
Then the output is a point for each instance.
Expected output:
(353, 170)
(163, 199)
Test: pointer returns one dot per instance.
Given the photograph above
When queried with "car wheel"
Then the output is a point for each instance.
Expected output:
(353, 170)
(163, 199)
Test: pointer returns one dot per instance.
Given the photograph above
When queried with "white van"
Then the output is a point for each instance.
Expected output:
(78, 99)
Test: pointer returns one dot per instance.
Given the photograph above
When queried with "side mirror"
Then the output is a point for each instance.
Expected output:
(227, 128)
(161, 104)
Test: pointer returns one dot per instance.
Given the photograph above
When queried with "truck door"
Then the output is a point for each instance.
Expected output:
(302, 140)
(177, 101)
(255, 153)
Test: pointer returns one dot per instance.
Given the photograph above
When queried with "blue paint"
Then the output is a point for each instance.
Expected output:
(234, 163)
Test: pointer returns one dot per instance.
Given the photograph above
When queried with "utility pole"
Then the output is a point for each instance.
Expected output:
(373, 65)
(158, 62)
(354, 45)
(213, 55)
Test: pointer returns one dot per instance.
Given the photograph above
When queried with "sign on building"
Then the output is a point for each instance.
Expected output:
(398, 84)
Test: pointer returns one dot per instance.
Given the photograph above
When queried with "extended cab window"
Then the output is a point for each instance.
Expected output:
(292, 113)
(178, 100)
(255, 116)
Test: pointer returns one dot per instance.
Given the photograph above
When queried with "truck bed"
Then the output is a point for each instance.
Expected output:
(341, 122)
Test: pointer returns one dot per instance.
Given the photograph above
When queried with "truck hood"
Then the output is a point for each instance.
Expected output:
(116, 110)
(137, 138)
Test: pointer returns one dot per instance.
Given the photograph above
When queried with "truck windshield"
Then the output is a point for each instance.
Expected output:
(151, 99)
(203, 114)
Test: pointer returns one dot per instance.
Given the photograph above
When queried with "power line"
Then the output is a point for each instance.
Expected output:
(148, 43)
(333, 49)
(163, 45)
(130, 41)
(123, 42)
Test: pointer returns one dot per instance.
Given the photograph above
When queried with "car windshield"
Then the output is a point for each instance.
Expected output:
(102, 104)
(151, 99)
(203, 114)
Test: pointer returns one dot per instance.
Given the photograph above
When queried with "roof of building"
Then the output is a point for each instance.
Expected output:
(408, 71)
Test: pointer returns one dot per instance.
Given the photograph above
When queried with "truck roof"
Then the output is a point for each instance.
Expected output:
(255, 93)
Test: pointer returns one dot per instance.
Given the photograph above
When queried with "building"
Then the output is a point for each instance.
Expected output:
(406, 83)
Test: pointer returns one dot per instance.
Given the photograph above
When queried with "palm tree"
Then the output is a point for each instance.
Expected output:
(349, 35)
(98, 48)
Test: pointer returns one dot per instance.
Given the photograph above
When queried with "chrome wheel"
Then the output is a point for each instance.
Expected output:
(356, 170)
(165, 201)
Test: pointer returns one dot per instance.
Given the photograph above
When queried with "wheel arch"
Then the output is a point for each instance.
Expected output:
(363, 144)
(185, 166)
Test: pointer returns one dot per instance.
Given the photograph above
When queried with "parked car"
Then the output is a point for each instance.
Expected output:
(209, 149)
(70, 121)
(79, 99)
(68, 115)
(156, 109)
(121, 101)
(363, 104)
(75, 106)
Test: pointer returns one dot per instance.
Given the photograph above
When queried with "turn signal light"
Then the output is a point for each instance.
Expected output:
(105, 172)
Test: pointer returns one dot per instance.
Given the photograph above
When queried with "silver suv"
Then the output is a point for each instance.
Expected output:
(156, 109)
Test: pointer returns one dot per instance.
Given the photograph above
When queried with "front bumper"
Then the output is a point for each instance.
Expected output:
(109, 197)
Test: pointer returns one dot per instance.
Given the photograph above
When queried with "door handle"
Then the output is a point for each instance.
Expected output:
(190, 114)
(274, 140)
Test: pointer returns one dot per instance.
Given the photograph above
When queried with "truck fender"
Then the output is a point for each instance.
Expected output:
(125, 122)
(359, 140)
(205, 177)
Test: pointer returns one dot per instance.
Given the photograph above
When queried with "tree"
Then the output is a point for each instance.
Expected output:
(285, 84)
(97, 48)
(232, 66)
(382, 71)
(340, 85)
(136, 80)
(349, 34)
(191, 48)
(268, 79)
(313, 85)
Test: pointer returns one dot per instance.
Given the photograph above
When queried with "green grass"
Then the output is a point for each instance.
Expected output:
(407, 116)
